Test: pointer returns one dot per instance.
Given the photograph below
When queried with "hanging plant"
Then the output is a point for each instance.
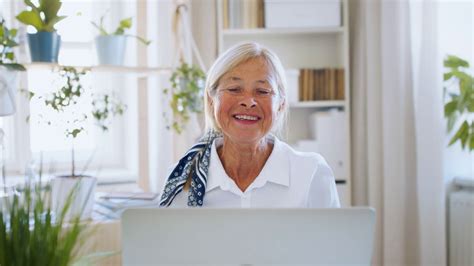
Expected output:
(104, 108)
(186, 93)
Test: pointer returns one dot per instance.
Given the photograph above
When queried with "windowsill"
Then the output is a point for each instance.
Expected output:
(106, 177)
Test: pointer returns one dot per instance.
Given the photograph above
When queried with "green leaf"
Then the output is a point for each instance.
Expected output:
(10, 55)
(453, 61)
(142, 40)
(50, 9)
(13, 33)
(14, 66)
(31, 18)
(452, 121)
(30, 4)
(126, 23)
(51, 23)
(100, 28)
(471, 143)
(460, 133)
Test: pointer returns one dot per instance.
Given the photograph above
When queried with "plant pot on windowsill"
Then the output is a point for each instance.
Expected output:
(111, 45)
(43, 16)
(82, 202)
(44, 46)
(111, 49)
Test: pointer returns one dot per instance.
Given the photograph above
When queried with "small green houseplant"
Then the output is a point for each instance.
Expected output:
(459, 107)
(7, 43)
(64, 103)
(8, 70)
(111, 45)
(186, 95)
(45, 43)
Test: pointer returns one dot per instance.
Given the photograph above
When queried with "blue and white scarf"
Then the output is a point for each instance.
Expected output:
(195, 163)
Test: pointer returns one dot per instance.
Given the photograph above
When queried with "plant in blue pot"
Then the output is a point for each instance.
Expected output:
(111, 45)
(45, 43)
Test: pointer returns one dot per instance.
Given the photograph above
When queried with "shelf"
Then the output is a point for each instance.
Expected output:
(319, 104)
(283, 31)
(104, 68)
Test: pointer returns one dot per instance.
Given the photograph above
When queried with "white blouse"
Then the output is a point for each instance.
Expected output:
(289, 179)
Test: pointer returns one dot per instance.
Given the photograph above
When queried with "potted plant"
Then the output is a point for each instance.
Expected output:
(63, 103)
(459, 107)
(186, 93)
(8, 68)
(32, 234)
(111, 45)
(45, 43)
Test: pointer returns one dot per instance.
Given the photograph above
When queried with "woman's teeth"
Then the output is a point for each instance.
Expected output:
(246, 117)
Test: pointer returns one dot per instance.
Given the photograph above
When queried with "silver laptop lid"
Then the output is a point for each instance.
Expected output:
(247, 236)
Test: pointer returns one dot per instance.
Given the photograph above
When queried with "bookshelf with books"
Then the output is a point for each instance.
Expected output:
(317, 57)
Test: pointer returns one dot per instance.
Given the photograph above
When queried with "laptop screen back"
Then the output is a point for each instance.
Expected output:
(247, 236)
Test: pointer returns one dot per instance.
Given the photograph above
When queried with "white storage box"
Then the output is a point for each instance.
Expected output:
(292, 88)
(302, 13)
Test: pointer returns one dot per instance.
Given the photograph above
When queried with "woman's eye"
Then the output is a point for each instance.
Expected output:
(263, 91)
(233, 89)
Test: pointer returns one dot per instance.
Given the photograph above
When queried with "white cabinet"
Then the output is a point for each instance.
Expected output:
(303, 48)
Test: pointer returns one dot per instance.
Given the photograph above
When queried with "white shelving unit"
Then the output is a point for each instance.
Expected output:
(325, 47)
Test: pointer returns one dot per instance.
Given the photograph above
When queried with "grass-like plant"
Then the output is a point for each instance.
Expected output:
(187, 94)
(31, 234)
(459, 107)
(7, 43)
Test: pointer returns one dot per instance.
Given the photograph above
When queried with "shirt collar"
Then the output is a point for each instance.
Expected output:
(276, 169)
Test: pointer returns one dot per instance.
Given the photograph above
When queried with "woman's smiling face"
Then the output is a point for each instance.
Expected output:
(246, 104)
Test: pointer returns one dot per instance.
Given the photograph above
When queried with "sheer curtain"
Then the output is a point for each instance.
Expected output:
(397, 134)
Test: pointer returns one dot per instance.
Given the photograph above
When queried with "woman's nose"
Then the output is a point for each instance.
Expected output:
(248, 101)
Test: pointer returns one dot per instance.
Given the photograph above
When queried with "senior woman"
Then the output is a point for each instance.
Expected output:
(240, 162)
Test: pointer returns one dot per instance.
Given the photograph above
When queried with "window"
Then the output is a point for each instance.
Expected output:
(107, 152)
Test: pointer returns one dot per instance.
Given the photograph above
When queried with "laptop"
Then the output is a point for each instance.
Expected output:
(248, 236)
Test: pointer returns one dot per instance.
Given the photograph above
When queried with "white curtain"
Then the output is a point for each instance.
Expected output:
(397, 132)
(166, 146)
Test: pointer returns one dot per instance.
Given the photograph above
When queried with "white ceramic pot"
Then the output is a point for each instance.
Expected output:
(83, 200)
(111, 49)
(7, 91)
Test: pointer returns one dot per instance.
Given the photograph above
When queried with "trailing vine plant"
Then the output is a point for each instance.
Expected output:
(186, 95)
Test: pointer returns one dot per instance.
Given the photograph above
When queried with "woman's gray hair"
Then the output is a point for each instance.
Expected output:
(230, 59)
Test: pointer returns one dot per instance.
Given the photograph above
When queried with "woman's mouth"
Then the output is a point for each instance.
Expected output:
(246, 119)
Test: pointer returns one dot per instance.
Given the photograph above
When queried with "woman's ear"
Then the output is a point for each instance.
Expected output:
(282, 105)
(209, 100)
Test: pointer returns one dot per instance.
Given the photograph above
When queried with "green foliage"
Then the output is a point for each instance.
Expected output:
(7, 43)
(106, 107)
(124, 25)
(65, 101)
(67, 96)
(187, 90)
(32, 234)
(459, 106)
(43, 16)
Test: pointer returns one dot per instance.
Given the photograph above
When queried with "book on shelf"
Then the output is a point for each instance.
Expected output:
(321, 84)
(243, 14)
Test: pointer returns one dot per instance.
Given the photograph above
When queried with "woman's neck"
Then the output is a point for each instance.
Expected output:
(244, 162)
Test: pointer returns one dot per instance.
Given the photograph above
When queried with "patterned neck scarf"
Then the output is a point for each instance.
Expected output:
(194, 163)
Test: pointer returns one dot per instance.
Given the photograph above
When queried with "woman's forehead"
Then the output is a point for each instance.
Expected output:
(256, 69)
